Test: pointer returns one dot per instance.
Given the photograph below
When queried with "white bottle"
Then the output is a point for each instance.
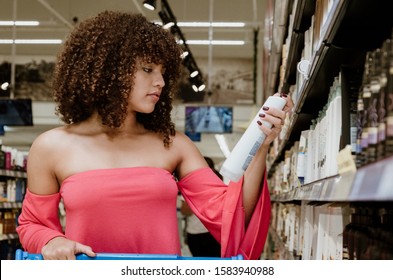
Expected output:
(246, 148)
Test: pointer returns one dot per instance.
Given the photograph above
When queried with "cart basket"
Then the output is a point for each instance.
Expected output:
(23, 255)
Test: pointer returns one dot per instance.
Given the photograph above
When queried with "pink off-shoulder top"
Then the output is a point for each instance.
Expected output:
(133, 210)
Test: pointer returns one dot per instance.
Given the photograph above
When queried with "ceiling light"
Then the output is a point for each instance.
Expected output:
(208, 24)
(194, 73)
(197, 84)
(5, 86)
(212, 24)
(201, 87)
(19, 23)
(30, 41)
(216, 42)
(168, 25)
(184, 54)
(150, 4)
(167, 21)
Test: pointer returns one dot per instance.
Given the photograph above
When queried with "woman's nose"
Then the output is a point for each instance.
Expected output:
(159, 80)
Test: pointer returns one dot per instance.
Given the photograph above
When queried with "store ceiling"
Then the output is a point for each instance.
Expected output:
(58, 16)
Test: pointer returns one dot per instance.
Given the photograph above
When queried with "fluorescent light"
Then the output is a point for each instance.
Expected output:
(31, 41)
(59, 41)
(216, 42)
(184, 54)
(201, 87)
(195, 88)
(150, 5)
(180, 23)
(194, 74)
(168, 25)
(19, 23)
(5, 86)
(213, 24)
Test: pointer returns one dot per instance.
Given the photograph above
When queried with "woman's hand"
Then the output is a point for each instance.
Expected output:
(276, 117)
(60, 248)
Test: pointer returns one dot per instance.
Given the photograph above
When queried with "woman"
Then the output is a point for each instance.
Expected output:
(112, 164)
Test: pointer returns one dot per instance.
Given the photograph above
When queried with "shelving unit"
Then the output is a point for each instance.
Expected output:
(13, 173)
(369, 183)
(351, 29)
(9, 240)
(338, 47)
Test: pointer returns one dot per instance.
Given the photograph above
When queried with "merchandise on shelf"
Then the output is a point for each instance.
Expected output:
(343, 116)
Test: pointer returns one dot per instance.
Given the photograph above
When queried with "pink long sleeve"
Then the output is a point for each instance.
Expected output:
(220, 209)
(39, 221)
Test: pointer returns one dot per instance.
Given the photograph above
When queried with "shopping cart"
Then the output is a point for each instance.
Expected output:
(23, 255)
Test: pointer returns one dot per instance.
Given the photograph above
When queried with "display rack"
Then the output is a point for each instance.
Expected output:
(9, 239)
(369, 183)
(350, 30)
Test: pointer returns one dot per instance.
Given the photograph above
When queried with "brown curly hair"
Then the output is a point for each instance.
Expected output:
(93, 70)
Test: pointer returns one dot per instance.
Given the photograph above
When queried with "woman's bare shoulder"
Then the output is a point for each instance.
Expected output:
(189, 154)
(181, 140)
(50, 139)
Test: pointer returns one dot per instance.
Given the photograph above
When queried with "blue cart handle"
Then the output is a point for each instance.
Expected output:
(23, 255)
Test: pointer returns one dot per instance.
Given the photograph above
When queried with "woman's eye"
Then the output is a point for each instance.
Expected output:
(147, 70)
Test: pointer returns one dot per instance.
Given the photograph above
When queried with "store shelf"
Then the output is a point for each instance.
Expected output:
(9, 236)
(370, 183)
(10, 205)
(280, 250)
(13, 173)
(365, 25)
(279, 29)
(346, 38)
(302, 21)
(334, 20)
(374, 182)
(349, 30)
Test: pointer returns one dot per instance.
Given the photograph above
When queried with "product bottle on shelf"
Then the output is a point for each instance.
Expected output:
(359, 117)
(381, 101)
(373, 118)
(2, 155)
(389, 104)
(366, 96)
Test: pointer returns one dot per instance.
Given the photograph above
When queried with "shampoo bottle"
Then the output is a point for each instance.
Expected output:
(246, 148)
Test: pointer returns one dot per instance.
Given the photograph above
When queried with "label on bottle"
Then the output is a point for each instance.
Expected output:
(389, 126)
(300, 166)
(353, 132)
(252, 152)
(364, 139)
(2, 160)
(372, 135)
(8, 161)
(381, 132)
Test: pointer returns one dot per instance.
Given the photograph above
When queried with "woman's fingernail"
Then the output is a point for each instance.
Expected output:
(259, 122)
(265, 108)
(262, 115)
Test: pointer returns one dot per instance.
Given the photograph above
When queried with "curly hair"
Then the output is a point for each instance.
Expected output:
(93, 71)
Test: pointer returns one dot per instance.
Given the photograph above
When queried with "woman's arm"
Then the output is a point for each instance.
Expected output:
(39, 226)
(253, 176)
(191, 159)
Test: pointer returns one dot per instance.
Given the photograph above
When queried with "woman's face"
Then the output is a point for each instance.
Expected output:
(148, 84)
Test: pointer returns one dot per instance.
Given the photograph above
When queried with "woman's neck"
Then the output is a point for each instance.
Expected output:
(130, 126)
